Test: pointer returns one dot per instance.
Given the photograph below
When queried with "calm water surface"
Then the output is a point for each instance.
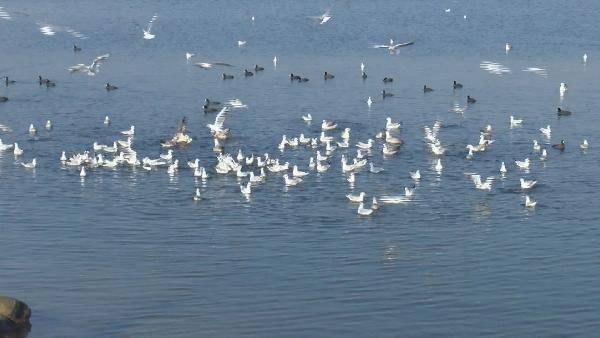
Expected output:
(126, 253)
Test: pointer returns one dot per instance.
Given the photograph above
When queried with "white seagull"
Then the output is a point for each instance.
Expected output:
(147, 32)
(526, 184)
(129, 132)
(356, 198)
(92, 68)
(514, 122)
(529, 203)
(393, 46)
(523, 164)
(364, 211)
(323, 18)
(30, 165)
(546, 131)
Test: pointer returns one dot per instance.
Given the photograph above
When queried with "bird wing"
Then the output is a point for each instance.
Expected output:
(402, 44)
(381, 46)
(99, 59)
(149, 27)
(204, 65)
(220, 119)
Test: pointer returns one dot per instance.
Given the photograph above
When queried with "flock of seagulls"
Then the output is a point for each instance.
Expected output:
(252, 170)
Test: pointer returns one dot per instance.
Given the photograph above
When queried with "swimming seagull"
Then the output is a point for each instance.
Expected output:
(351, 179)
(362, 211)
(298, 173)
(584, 145)
(291, 181)
(527, 184)
(529, 203)
(523, 164)
(106, 120)
(275, 61)
(307, 117)
(562, 89)
(48, 125)
(92, 68)
(241, 43)
(536, 146)
(189, 55)
(503, 169)
(544, 155)
(514, 122)
(546, 131)
(585, 58)
(32, 129)
(389, 125)
(373, 169)
(30, 165)
(129, 132)
(508, 47)
(438, 166)
(17, 151)
(323, 18)
(369, 102)
(362, 67)
(197, 197)
(147, 32)
(415, 175)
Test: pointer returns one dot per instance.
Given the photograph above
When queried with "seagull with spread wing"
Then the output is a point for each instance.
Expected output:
(93, 68)
(217, 127)
(147, 34)
(209, 65)
(393, 46)
(323, 18)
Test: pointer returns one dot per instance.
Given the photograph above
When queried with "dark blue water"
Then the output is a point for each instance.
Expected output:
(127, 252)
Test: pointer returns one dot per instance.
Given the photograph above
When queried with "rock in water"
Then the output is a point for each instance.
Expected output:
(14, 317)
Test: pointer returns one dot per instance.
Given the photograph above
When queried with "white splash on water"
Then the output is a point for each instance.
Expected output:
(537, 71)
(494, 68)
(4, 14)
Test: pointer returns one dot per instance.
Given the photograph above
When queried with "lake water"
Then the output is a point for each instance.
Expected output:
(127, 253)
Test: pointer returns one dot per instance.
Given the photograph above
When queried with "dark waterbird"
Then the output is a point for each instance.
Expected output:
(562, 112)
(470, 99)
(227, 77)
(385, 94)
(427, 89)
(364, 75)
(42, 80)
(208, 102)
(456, 85)
(248, 73)
(110, 87)
(560, 146)
(388, 79)
(209, 109)
(3, 98)
(258, 68)
(328, 76)
(7, 81)
(76, 49)
(294, 77)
